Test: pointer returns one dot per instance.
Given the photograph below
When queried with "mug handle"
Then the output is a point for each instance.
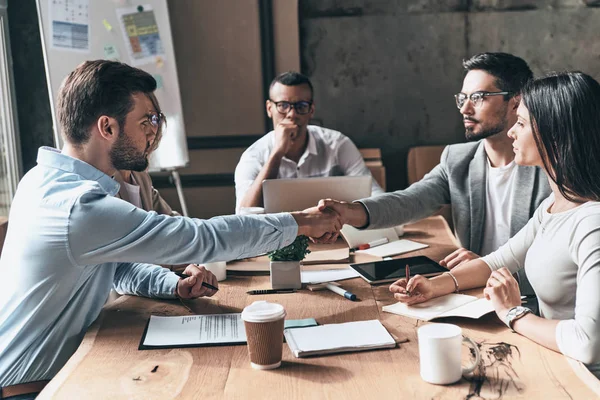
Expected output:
(471, 344)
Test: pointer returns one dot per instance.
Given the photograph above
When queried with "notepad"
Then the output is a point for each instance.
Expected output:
(328, 275)
(355, 237)
(450, 305)
(338, 338)
(193, 331)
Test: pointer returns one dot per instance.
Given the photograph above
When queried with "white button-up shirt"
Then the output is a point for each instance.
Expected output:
(328, 153)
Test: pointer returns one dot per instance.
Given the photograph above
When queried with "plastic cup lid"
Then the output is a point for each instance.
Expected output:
(263, 311)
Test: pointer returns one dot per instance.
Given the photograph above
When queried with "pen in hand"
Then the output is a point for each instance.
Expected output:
(407, 271)
(205, 284)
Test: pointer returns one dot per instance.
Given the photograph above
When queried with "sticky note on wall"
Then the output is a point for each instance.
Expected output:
(107, 25)
(159, 80)
(111, 52)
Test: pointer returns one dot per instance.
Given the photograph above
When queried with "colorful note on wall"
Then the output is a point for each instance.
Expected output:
(111, 52)
(70, 24)
(142, 37)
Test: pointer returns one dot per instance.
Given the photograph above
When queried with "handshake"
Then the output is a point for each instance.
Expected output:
(324, 222)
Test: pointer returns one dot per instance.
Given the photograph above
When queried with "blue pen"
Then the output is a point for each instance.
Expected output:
(341, 291)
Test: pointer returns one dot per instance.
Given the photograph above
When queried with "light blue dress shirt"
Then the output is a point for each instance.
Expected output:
(69, 241)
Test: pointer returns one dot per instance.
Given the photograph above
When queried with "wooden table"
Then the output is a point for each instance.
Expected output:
(108, 363)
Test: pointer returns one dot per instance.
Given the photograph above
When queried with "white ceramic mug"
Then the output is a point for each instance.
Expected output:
(440, 353)
(219, 269)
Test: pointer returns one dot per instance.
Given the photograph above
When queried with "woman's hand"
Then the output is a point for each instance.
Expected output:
(503, 290)
(418, 290)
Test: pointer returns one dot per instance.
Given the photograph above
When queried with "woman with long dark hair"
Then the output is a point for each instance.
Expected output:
(558, 129)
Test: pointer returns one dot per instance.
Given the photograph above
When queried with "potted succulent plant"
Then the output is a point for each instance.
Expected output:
(285, 264)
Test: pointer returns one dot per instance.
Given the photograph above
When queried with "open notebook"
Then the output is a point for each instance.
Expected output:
(338, 338)
(355, 237)
(450, 305)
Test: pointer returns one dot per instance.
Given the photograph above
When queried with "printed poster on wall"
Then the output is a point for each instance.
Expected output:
(142, 38)
(70, 25)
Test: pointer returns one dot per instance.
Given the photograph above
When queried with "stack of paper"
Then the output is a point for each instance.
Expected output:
(328, 275)
(337, 338)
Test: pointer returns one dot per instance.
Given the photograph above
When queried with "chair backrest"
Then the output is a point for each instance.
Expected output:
(3, 229)
(421, 160)
(373, 161)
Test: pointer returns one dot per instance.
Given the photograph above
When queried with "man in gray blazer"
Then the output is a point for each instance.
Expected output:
(491, 197)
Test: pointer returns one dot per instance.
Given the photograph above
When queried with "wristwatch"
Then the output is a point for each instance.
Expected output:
(514, 314)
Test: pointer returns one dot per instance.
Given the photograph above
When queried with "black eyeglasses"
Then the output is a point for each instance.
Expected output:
(155, 120)
(476, 98)
(301, 107)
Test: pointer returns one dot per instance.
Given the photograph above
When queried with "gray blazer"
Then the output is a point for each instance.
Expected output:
(459, 180)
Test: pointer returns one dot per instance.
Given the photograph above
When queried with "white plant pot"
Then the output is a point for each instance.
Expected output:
(285, 275)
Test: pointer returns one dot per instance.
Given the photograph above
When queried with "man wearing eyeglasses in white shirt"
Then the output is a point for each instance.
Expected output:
(294, 149)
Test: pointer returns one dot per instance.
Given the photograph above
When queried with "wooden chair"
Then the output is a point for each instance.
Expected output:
(421, 160)
(373, 161)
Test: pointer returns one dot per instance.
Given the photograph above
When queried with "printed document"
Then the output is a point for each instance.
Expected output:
(194, 330)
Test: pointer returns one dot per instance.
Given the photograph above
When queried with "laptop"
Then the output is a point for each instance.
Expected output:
(297, 194)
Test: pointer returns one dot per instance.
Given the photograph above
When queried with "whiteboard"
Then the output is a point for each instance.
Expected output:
(74, 31)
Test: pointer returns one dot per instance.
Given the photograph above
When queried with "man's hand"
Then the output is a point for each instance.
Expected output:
(313, 223)
(190, 288)
(285, 134)
(458, 257)
(417, 290)
(353, 214)
(503, 290)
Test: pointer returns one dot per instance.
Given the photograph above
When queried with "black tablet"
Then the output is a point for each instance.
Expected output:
(391, 270)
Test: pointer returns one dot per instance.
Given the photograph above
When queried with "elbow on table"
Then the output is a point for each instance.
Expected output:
(589, 352)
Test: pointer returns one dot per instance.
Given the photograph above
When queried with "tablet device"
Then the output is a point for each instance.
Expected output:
(391, 270)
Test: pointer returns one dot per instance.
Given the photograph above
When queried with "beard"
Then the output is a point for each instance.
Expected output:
(486, 131)
(124, 155)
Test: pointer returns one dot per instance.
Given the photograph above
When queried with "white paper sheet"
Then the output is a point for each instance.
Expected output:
(195, 330)
(70, 24)
(328, 275)
(394, 248)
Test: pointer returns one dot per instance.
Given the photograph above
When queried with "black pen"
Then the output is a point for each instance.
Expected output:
(271, 291)
(208, 285)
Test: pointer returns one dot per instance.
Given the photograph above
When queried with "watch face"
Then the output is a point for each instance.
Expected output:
(519, 310)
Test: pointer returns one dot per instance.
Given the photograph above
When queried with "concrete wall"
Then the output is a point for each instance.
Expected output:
(385, 71)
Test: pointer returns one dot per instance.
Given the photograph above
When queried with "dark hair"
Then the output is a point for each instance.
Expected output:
(97, 88)
(292, 78)
(511, 72)
(564, 111)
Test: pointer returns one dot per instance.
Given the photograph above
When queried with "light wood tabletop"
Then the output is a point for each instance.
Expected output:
(108, 363)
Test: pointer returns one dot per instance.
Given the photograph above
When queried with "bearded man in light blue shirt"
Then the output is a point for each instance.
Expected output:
(70, 240)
